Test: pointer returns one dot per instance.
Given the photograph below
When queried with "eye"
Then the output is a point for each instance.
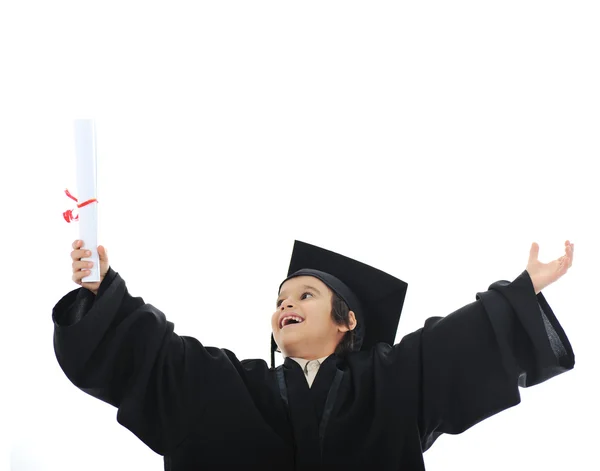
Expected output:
(301, 297)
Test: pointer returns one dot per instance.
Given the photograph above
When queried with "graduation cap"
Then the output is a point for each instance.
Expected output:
(375, 296)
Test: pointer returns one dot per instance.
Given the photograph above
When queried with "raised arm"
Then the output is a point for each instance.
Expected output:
(123, 351)
(474, 360)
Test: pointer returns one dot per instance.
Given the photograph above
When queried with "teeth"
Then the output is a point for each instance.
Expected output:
(296, 318)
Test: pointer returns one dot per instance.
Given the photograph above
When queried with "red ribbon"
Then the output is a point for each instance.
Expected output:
(68, 214)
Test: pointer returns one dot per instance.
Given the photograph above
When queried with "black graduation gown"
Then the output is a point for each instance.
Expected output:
(203, 409)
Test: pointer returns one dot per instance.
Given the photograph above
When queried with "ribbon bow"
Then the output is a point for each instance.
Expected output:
(68, 214)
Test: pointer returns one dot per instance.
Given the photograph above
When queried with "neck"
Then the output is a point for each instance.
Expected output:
(311, 350)
(307, 356)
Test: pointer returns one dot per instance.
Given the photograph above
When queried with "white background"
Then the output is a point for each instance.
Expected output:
(434, 140)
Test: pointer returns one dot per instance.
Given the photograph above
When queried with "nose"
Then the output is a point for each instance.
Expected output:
(286, 304)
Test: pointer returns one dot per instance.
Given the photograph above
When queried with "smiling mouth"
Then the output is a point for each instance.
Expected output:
(291, 320)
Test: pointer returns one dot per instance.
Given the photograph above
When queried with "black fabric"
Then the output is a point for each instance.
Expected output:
(323, 395)
(329, 405)
(202, 408)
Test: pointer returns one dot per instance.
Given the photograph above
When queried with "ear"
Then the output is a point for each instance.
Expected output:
(351, 322)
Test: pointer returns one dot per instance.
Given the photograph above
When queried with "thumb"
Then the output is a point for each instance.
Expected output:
(102, 253)
(534, 252)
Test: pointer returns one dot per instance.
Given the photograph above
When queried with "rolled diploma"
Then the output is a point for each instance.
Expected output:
(85, 152)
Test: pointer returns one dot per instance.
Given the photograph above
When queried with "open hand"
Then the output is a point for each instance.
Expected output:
(543, 274)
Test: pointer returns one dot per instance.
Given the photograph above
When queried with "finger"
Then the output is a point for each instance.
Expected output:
(80, 253)
(560, 268)
(570, 249)
(566, 260)
(79, 275)
(81, 265)
(76, 244)
(534, 252)
(567, 251)
(102, 253)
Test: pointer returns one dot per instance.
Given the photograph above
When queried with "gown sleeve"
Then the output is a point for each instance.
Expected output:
(124, 352)
(474, 360)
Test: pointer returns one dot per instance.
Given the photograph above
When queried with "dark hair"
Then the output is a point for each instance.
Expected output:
(340, 315)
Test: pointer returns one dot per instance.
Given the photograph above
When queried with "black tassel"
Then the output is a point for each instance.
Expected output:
(273, 348)
(272, 359)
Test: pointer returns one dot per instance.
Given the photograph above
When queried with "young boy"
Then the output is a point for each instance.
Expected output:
(345, 397)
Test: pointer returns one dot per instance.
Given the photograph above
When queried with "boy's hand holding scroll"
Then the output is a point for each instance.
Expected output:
(81, 268)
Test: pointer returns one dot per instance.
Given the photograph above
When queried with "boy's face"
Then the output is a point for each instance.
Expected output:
(313, 334)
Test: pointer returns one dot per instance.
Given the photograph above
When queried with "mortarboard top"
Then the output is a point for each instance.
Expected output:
(375, 296)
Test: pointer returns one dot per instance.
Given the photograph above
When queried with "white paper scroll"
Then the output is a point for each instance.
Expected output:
(85, 152)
